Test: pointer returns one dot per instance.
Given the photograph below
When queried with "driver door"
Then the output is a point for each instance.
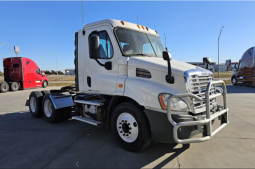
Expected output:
(99, 79)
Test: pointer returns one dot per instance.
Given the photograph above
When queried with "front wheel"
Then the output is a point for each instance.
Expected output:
(45, 84)
(233, 80)
(130, 126)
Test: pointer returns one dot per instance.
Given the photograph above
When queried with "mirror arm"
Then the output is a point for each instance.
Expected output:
(99, 63)
(169, 77)
(207, 66)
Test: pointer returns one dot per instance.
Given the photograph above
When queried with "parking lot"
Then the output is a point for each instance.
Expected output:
(26, 142)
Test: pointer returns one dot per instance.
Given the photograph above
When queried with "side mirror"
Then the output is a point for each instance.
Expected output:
(167, 56)
(94, 47)
(108, 65)
(206, 60)
(235, 67)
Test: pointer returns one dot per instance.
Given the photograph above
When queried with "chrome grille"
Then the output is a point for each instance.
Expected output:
(197, 84)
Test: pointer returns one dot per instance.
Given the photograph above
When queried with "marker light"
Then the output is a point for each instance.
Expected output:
(123, 23)
(143, 27)
(156, 32)
(147, 28)
(138, 26)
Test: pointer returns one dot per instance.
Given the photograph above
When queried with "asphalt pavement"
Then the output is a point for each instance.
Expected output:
(27, 142)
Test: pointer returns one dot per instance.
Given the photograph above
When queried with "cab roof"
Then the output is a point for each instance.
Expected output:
(124, 24)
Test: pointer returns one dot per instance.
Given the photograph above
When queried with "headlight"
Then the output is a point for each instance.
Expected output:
(177, 104)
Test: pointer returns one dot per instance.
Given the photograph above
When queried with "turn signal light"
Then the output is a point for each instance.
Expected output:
(161, 99)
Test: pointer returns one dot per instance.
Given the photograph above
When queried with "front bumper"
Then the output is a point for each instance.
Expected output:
(207, 122)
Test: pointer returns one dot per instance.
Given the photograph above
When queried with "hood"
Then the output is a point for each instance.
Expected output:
(160, 64)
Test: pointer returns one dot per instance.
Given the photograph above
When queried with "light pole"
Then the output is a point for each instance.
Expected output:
(56, 62)
(4, 43)
(219, 53)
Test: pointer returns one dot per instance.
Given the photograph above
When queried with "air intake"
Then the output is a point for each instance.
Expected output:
(143, 73)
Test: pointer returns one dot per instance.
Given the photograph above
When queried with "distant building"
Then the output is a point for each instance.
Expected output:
(69, 72)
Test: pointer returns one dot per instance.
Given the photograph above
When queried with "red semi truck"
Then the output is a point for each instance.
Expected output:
(21, 73)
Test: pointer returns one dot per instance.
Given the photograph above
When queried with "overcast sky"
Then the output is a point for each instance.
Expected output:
(43, 30)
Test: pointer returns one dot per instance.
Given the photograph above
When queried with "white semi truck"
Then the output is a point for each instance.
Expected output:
(126, 80)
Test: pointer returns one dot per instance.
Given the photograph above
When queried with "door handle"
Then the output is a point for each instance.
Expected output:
(89, 81)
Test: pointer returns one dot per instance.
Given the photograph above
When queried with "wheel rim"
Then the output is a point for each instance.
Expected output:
(4, 87)
(15, 86)
(127, 127)
(48, 108)
(32, 104)
(234, 81)
(44, 84)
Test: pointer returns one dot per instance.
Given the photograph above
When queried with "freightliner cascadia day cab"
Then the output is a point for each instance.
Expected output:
(21, 73)
(126, 80)
(245, 72)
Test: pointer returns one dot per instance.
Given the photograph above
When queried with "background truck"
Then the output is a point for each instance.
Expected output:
(245, 72)
(126, 81)
(21, 73)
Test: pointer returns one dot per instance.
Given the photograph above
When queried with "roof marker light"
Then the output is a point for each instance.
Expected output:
(138, 26)
(123, 23)
(147, 28)
(156, 32)
(143, 27)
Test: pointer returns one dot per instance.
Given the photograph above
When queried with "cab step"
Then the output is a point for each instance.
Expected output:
(87, 120)
(90, 102)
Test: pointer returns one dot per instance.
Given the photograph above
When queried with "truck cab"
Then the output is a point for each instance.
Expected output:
(126, 80)
(245, 72)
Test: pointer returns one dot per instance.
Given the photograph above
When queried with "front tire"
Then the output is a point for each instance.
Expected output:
(234, 81)
(130, 126)
(45, 84)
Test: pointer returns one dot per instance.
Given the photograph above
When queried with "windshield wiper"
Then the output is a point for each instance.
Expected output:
(139, 54)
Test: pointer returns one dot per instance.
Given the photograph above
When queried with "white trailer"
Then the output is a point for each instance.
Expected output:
(126, 80)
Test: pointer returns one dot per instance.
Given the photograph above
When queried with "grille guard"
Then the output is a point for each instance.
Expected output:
(208, 121)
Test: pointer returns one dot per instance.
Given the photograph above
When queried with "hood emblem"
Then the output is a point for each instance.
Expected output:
(204, 73)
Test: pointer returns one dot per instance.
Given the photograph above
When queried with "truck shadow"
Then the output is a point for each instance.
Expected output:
(81, 140)
(240, 89)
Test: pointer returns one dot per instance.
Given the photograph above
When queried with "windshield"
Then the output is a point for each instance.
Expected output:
(138, 43)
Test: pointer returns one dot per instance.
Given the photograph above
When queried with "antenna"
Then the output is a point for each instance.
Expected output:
(137, 19)
(165, 40)
(82, 14)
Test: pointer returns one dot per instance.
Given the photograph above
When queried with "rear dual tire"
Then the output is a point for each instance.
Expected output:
(14, 86)
(40, 105)
(51, 114)
(4, 87)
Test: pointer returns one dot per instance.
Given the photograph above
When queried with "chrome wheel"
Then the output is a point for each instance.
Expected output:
(47, 108)
(233, 80)
(44, 84)
(32, 104)
(127, 127)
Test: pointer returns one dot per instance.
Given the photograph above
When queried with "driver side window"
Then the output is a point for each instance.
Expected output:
(38, 71)
(240, 65)
(105, 45)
